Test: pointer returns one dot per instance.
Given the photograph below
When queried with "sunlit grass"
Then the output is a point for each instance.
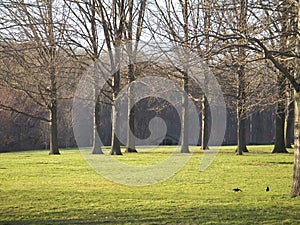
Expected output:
(37, 188)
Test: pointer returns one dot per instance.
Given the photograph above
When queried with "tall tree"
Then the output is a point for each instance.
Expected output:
(296, 84)
(32, 41)
(176, 27)
(276, 55)
(133, 32)
(113, 16)
(233, 52)
(84, 34)
(205, 106)
(242, 26)
(261, 46)
(185, 82)
(279, 146)
(195, 37)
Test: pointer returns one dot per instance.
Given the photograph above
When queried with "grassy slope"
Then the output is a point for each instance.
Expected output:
(37, 188)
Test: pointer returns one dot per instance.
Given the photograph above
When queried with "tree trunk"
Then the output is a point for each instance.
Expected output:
(241, 120)
(132, 52)
(284, 91)
(289, 125)
(205, 124)
(131, 109)
(295, 192)
(96, 123)
(185, 121)
(115, 145)
(53, 94)
(96, 138)
(296, 174)
(241, 134)
(205, 106)
(53, 127)
(131, 123)
(241, 95)
(279, 146)
(280, 119)
(185, 83)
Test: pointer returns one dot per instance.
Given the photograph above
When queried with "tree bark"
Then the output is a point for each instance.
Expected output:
(295, 192)
(53, 129)
(115, 145)
(296, 172)
(205, 124)
(289, 125)
(131, 123)
(241, 120)
(241, 133)
(96, 138)
(279, 146)
(185, 120)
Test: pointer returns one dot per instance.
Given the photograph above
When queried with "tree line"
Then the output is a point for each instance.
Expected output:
(251, 46)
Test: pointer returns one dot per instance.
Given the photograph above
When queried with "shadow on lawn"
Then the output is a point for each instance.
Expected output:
(83, 221)
(282, 163)
(193, 215)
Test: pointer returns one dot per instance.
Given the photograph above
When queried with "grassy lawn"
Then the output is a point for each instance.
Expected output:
(37, 188)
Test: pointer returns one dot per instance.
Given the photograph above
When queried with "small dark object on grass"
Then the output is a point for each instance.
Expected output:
(267, 189)
(236, 189)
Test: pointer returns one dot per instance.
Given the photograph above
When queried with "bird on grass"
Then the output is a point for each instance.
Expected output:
(236, 189)
(267, 189)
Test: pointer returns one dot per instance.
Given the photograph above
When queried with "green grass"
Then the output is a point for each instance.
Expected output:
(37, 188)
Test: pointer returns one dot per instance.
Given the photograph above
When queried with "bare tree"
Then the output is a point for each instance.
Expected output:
(84, 35)
(176, 27)
(231, 56)
(236, 51)
(112, 15)
(280, 146)
(260, 44)
(187, 24)
(133, 32)
(242, 26)
(35, 64)
(205, 106)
